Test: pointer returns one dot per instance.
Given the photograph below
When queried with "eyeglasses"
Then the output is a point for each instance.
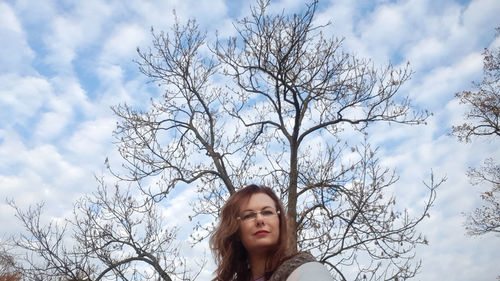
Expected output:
(251, 216)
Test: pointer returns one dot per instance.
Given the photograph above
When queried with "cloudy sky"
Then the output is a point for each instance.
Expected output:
(63, 64)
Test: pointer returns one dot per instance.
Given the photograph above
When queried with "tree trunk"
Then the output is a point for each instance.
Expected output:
(292, 199)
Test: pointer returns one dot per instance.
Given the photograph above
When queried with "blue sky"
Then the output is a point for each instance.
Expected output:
(63, 64)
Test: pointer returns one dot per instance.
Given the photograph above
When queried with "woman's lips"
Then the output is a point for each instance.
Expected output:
(261, 232)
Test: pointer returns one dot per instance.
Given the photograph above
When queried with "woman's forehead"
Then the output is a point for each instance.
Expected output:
(257, 201)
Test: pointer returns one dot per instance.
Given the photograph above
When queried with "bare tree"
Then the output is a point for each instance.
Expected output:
(483, 120)
(8, 267)
(290, 93)
(486, 219)
(111, 236)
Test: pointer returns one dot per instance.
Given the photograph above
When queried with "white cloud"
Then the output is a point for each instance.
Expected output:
(440, 84)
(390, 28)
(159, 14)
(10, 142)
(479, 19)
(61, 108)
(471, 258)
(423, 32)
(426, 52)
(42, 173)
(74, 30)
(9, 20)
(21, 98)
(91, 141)
(122, 43)
(51, 124)
(341, 15)
(47, 162)
(414, 158)
(62, 43)
(35, 13)
(16, 54)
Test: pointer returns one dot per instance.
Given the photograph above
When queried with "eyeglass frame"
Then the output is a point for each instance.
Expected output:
(277, 213)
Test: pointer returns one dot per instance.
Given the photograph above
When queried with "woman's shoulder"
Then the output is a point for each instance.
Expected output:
(310, 271)
(299, 267)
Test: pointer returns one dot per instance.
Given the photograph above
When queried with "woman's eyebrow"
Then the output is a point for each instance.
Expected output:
(263, 208)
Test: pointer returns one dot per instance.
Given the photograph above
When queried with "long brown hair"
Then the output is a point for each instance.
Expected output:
(231, 256)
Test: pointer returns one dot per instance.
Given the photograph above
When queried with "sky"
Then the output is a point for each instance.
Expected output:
(64, 64)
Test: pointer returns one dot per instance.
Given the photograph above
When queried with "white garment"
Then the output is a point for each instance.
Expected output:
(310, 271)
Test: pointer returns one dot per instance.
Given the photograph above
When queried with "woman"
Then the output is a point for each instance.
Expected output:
(250, 242)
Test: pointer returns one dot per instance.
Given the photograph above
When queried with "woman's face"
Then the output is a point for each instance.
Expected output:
(259, 223)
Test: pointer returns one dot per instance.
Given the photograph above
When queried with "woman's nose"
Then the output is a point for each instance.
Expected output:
(259, 218)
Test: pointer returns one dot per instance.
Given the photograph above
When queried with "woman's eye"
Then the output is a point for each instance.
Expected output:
(249, 216)
(267, 213)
